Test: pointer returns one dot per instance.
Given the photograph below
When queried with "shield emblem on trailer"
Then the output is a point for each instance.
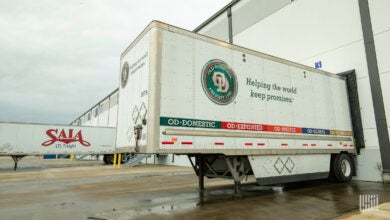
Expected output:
(124, 74)
(219, 82)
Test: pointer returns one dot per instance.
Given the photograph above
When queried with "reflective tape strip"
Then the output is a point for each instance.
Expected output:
(216, 133)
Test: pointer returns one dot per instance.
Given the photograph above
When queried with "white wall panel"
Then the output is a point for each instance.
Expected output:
(382, 47)
(218, 28)
(112, 120)
(348, 57)
(385, 83)
(380, 16)
(304, 29)
(94, 120)
(367, 164)
(103, 119)
(246, 13)
(371, 138)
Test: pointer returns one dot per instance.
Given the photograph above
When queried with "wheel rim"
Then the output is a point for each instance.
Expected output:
(346, 167)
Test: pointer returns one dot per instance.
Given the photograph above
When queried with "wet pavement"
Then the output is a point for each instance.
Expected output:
(54, 190)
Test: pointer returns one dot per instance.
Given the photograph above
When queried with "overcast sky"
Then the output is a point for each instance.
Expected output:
(58, 58)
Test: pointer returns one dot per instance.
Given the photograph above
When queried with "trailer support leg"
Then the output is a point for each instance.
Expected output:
(16, 159)
(237, 170)
(237, 188)
(201, 173)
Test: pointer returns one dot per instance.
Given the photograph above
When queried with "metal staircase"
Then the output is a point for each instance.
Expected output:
(135, 159)
(80, 157)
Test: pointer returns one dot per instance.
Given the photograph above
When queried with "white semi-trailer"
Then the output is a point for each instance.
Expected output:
(20, 139)
(237, 111)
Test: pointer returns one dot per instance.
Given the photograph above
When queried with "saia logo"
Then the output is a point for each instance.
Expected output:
(219, 82)
(124, 74)
(64, 137)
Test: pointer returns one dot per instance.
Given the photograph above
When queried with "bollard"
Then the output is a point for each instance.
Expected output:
(56, 156)
(119, 160)
(71, 157)
(114, 160)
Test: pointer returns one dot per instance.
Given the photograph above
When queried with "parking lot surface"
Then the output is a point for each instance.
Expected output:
(63, 189)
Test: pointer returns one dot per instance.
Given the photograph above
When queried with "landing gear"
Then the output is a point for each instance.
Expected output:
(201, 173)
(16, 159)
(220, 166)
(237, 169)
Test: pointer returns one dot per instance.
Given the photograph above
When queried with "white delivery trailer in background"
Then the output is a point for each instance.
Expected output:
(20, 139)
(237, 111)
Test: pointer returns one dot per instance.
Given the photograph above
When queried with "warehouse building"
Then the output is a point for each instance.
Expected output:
(336, 36)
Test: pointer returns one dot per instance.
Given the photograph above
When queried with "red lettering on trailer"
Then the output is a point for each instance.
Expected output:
(313, 145)
(260, 144)
(167, 142)
(284, 145)
(248, 144)
(330, 145)
(64, 137)
(186, 142)
(305, 145)
(243, 126)
(219, 143)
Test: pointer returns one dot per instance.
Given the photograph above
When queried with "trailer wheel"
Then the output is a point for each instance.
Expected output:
(108, 159)
(342, 168)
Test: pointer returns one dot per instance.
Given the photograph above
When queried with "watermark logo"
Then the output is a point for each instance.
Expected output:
(65, 137)
(124, 74)
(368, 203)
(219, 82)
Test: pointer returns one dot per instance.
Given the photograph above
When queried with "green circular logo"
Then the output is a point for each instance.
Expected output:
(219, 82)
(124, 74)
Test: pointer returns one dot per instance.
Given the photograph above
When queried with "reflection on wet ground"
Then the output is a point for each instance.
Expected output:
(308, 200)
(162, 192)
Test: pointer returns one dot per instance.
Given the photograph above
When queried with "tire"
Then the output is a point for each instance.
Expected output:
(341, 168)
(108, 159)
